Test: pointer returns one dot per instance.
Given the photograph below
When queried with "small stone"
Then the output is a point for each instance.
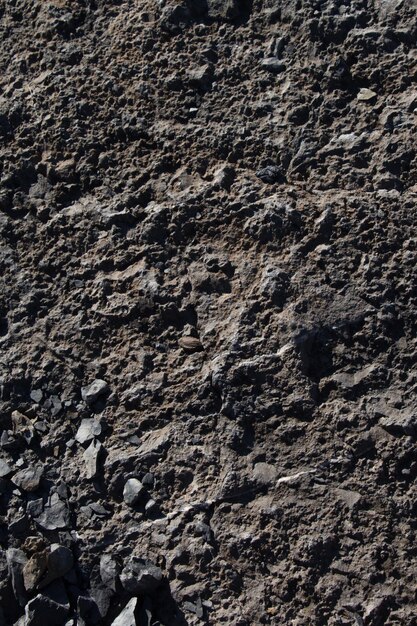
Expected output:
(55, 515)
(190, 344)
(132, 491)
(140, 576)
(36, 395)
(109, 571)
(151, 507)
(34, 507)
(5, 469)
(50, 607)
(274, 65)
(127, 616)
(22, 426)
(270, 174)
(59, 562)
(34, 569)
(91, 458)
(92, 392)
(29, 479)
(364, 94)
(88, 430)
(16, 560)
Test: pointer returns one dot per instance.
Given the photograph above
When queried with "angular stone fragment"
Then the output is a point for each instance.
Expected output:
(34, 569)
(190, 344)
(16, 560)
(140, 576)
(22, 426)
(55, 515)
(89, 428)
(5, 469)
(109, 571)
(92, 392)
(274, 65)
(91, 458)
(365, 94)
(29, 479)
(132, 491)
(127, 616)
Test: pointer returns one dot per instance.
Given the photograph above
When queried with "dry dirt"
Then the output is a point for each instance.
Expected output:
(208, 254)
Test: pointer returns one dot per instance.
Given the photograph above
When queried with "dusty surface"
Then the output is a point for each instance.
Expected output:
(211, 207)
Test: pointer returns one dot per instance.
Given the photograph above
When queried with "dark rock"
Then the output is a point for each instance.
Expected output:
(29, 479)
(16, 560)
(140, 576)
(270, 174)
(95, 390)
(55, 514)
(133, 491)
(127, 616)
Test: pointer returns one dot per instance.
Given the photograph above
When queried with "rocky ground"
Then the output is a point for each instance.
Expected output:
(207, 312)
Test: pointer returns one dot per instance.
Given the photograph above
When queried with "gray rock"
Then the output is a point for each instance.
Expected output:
(88, 430)
(223, 9)
(36, 395)
(50, 607)
(22, 426)
(29, 479)
(91, 458)
(132, 491)
(127, 616)
(92, 392)
(140, 576)
(35, 507)
(400, 423)
(5, 469)
(55, 514)
(109, 571)
(59, 562)
(16, 560)
(270, 174)
(272, 64)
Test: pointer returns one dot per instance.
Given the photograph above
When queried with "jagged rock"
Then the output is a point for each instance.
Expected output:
(16, 561)
(190, 344)
(23, 426)
(5, 469)
(95, 390)
(29, 479)
(140, 576)
(109, 571)
(132, 492)
(127, 616)
(34, 569)
(88, 430)
(91, 458)
(49, 607)
(55, 514)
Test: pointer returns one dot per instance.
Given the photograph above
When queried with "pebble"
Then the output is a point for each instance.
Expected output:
(92, 392)
(132, 491)
(127, 616)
